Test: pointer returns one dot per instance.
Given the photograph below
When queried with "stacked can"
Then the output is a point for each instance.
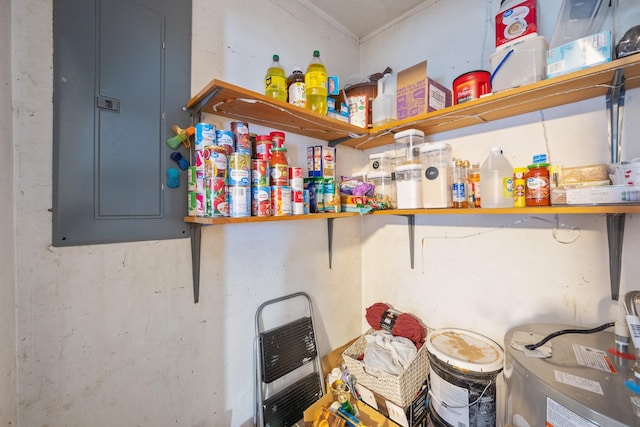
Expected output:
(279, 179)
(296, 182)
(260, 188)
(241, 137)
(239, 188)
(205, 136)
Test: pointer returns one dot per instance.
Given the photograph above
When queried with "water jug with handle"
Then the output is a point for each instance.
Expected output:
(384, 105)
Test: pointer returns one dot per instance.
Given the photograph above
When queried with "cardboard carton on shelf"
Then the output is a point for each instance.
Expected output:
(418, 94)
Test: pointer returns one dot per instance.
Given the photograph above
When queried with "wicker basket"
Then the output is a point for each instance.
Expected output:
(400, 389)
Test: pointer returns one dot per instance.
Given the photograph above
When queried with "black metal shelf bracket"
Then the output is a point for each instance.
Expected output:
(411, 222)
(196, 240)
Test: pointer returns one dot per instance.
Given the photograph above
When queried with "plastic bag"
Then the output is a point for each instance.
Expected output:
(388, 353)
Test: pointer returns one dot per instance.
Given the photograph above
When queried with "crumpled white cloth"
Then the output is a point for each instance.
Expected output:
(388, 353)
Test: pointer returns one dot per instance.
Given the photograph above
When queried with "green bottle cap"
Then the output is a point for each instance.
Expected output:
(316, 53)
(276, 57)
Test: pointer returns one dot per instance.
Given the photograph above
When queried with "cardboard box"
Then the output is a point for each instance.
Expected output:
(413, 415)
(604, 194)
(359, 110)
(321, 162)
(578, 54)
(418, 94)
(367, 415)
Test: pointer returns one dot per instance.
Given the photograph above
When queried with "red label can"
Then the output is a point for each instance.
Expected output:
(260, 173)
(280, 200)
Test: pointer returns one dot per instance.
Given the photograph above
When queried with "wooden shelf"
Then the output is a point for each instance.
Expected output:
(537, 210)
(236, 103)
(229, 220)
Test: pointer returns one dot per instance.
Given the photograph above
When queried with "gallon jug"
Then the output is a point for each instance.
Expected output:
(496, 181)
(384, 105)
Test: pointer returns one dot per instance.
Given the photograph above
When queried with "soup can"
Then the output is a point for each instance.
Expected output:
(259, 173)
(280, 200)
(205, 134)
(216, 197)
(241, 136)
(239, 201)
(225, 139)
(261, 201)
(297, 202)
(215, 161)
(239, 169)
(263, 147)
(296, 178)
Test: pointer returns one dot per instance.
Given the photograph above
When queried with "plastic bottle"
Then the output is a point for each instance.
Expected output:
(315, 80)
(459, 185)
(384, 105)
(275, 81)
(474, 186)
(295, 87)
(496, 177)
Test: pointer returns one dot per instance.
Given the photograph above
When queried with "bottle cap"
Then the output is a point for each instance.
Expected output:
(316, 53)
(276, 57)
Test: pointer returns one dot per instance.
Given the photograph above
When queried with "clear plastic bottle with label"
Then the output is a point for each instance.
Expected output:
(275, 80)
(458, 193)
(295, 87)
(473, 195)
(496, 177)
(315, 81)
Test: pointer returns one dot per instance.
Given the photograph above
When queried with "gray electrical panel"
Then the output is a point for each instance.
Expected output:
(122, 73)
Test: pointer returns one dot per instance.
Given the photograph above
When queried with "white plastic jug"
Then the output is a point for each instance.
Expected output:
(496, 181)
(383, 108)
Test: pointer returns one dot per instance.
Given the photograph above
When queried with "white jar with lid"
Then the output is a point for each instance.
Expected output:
(385, 191)
(407, 144)
(436, 175)
(409, 186)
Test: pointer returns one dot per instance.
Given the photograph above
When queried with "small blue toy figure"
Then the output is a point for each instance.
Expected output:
(181, 161)
(173, 178)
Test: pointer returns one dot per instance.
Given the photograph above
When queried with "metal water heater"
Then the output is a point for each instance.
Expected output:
(576, 380)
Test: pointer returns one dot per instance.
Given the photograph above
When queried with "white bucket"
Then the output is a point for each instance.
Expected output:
(462, 378)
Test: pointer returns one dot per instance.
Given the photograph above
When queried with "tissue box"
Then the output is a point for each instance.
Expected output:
(419, 94)
(578, 54)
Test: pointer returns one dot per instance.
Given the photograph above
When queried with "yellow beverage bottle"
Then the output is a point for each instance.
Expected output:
(315, 81)
(275, 81)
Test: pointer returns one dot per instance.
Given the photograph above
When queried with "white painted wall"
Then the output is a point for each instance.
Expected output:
(7, 239)
(490, 273)
(108, 334)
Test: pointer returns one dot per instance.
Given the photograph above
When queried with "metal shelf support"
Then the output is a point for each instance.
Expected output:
(615, 222)
(411, 222)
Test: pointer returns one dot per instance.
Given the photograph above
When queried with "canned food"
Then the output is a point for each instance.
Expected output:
(198, 159)
(216, 197)
(224, 138)
(261, 201)
(239, 201)
(200, 203)
(297, 202)
(240, 132)
(296, 178)
(239, 169)
(205, 134)
(277, 138)
(280, 200)
(215, 161)
(263, 147)
(260, 173)
(192, 204)
(191, 178)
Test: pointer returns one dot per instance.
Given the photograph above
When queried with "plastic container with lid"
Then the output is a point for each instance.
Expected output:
(471, 85)
(436, 175)
(407, 146)
(385, 191)
(523, 63)
(496, 180)
(409, 186)
(380, 162)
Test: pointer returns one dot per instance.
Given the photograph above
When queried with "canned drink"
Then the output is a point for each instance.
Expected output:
(216, 201)
(224, 138)
(297, 202)
(280, 200)
(239, 201)
(261, 201)
(239, 169)
(240, 132)
(296, 178)
(205, 134)
(259, 173)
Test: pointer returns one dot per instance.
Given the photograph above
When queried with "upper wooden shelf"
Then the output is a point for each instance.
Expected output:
(236, 103)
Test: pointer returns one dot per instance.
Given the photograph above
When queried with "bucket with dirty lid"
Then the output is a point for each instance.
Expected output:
(463, 369)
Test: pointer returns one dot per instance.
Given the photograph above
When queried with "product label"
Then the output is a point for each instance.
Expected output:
(275, 83)
(507, 187)
(316, 80)
(458, 192)
(559, 416)
(297, 94)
